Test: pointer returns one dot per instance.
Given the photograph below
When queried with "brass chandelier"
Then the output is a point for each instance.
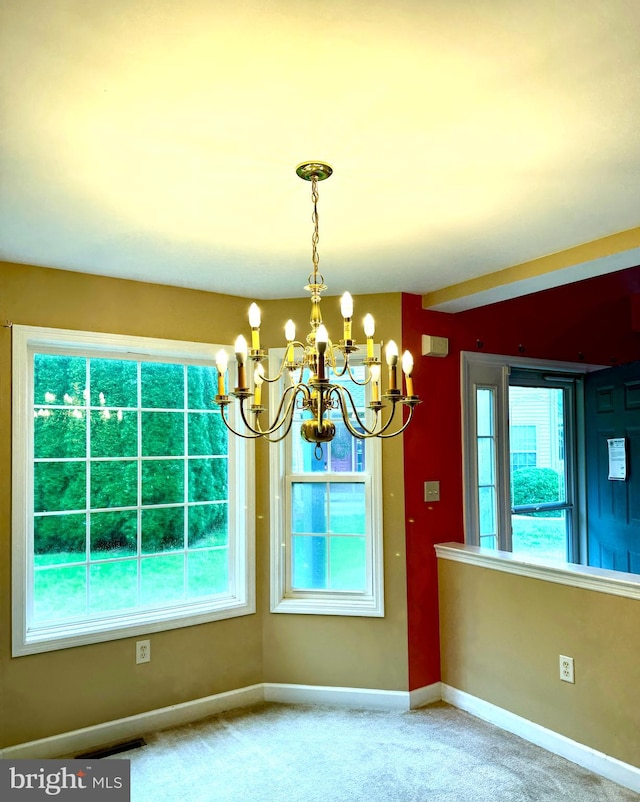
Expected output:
(310, 366)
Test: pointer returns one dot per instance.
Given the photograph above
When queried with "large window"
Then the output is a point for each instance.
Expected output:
(129, 497)
(520, 448)
(326, 522)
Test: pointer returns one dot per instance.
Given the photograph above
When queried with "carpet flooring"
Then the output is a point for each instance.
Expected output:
(286, 753)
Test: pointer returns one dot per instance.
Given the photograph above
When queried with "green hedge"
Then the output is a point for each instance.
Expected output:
(535, 486)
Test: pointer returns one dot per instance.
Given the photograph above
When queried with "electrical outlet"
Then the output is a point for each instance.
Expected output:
(566, 669)
(143, 651)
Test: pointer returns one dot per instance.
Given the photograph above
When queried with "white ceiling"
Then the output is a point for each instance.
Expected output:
(157, 140)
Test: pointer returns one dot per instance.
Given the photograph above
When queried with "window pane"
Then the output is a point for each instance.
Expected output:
(536, 440)
(114, 483)
(202, 383)
(487, 494)
(162, 385)
(59, 433)
(162, 434)
(347, 511)
(59, 538)
(309, 568)
(348, 563)
(114, 382)
(208, 525)
(114, 434)
(59, 593)
(484, 411)
(208, 479)
(59, 486)
(113, 586)
(114, 534)
(303, 454)
(309, 507)
(346, 453)
(162, 481)
(162, 579)
(208, 435)
(55, 377)
(486, 459)
(541, 534)
(208, 572)
(162, 529)
(487, 504)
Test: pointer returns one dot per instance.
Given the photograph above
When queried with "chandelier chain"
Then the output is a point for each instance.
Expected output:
(316, 236)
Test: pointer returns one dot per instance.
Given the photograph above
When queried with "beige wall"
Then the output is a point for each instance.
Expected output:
(339, 650)
(53, 692)
(501, 637)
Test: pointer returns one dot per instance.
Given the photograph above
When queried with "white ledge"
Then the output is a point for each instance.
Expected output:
(601, 580)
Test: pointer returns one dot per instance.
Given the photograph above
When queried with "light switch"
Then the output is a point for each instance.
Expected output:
(432, 491)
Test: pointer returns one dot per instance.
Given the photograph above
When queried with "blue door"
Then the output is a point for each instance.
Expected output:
(612, 407)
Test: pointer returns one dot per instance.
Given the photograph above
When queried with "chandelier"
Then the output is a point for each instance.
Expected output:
(310, 366)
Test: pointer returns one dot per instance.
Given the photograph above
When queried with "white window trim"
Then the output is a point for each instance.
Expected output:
(322, 602)
(501, 365)
(241, 503)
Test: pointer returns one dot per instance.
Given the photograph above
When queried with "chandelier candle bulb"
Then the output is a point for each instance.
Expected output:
(254, 322)
(391, 352)
(346, 309)
(322, 338)
(369, 330)
(258, 378)
(375, 383)
(290, 334)
(241, 355)
(222, 362)
(407, 369)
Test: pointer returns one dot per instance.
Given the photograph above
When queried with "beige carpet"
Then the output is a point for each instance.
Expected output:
(282, 753)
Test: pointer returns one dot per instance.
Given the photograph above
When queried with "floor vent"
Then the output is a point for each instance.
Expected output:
(116, 749)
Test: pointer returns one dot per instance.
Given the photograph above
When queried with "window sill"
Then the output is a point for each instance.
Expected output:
(330, 606)
(61, 637)
(616, 583)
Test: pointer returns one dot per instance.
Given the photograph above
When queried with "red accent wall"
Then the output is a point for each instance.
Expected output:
(591, 321)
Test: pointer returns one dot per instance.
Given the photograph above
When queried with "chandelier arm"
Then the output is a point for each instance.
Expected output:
(367, 432)
(401, 429)
(288, 419)
(346, 368)
(283, 363)
(253, 436)
(281, 419)
(370, 432)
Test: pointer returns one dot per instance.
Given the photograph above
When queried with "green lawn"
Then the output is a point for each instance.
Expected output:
(61, 591)
(539, 537)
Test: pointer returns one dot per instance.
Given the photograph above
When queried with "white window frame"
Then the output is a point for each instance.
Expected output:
(492, 371)
(27, 639)
(284, 599)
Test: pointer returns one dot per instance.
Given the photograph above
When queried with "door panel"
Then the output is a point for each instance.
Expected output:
(612, 401)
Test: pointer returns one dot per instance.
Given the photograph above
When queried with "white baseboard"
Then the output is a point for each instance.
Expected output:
(609, 767)
(426, 695)
(367, 698)
(76, 741)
